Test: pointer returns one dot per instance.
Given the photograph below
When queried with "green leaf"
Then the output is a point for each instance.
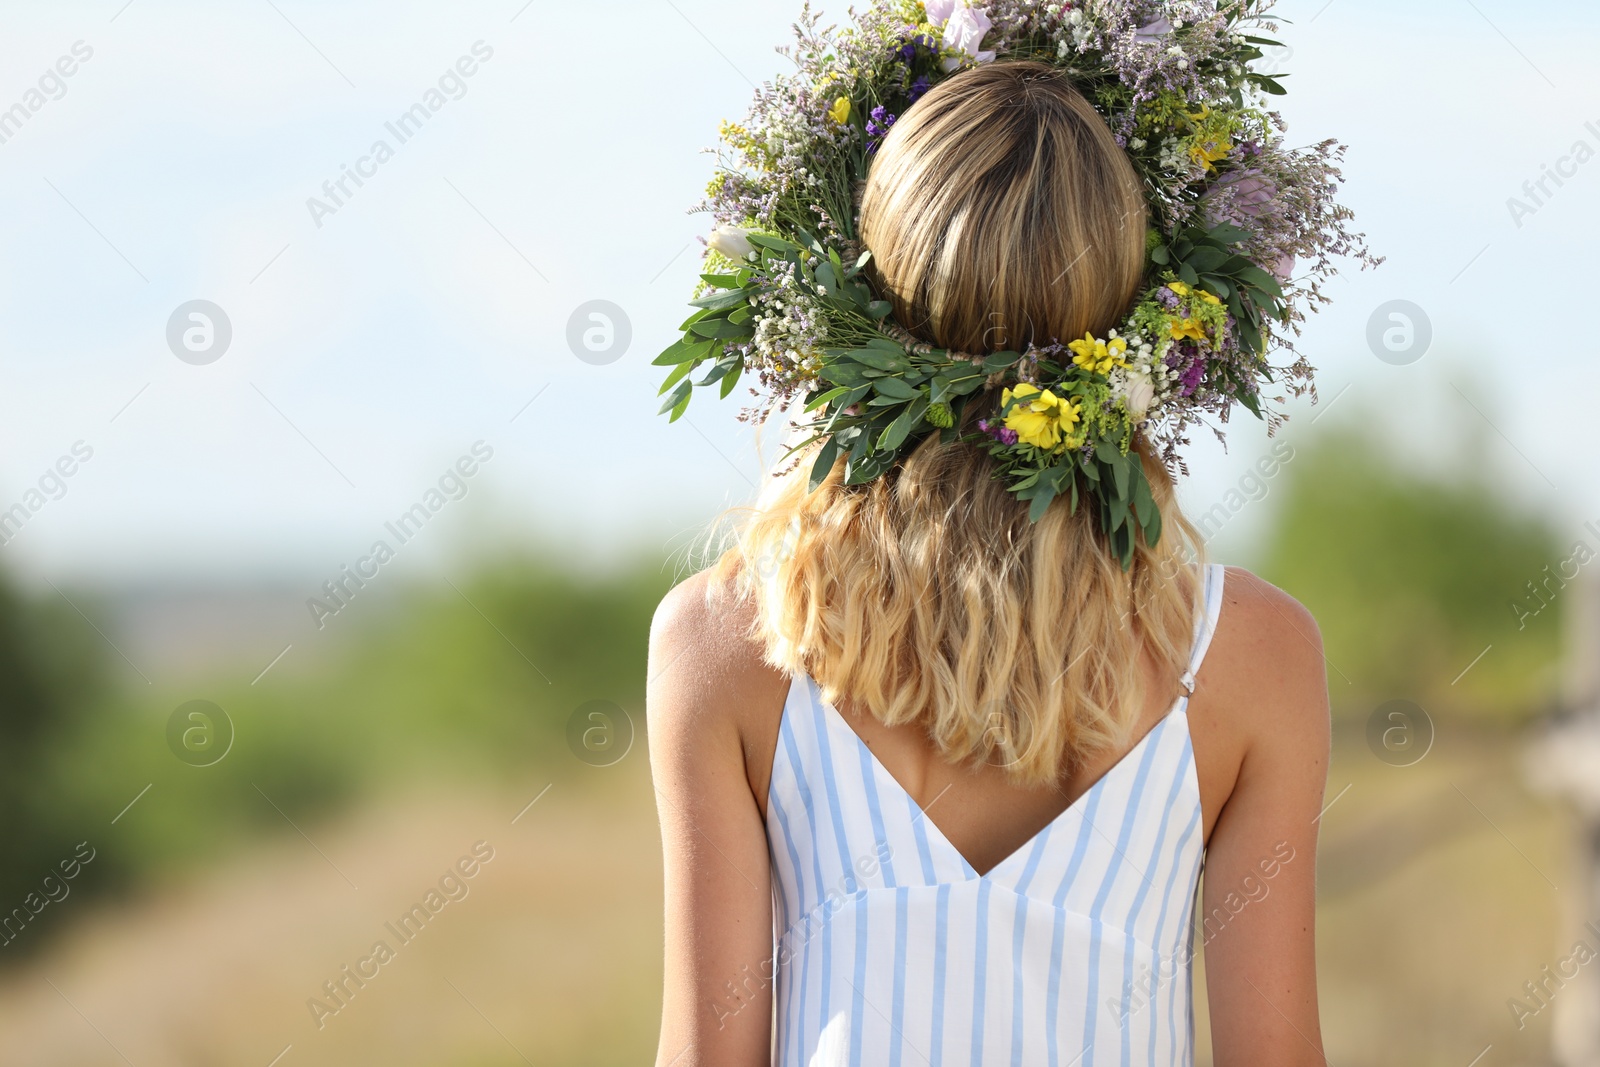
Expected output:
(895, 434)
(1268, 85)
(1043, 495)
(896, 388)
(678, 373)
(999, 361)
(718, 301)
(824, 463)
(722, 329)
(879, 309)
(878, 359)
(1117, 512)
(1119, 472)
(863, 469)
(1227, 233)
(1217, 286)
(1207, 259)
(823, 398)
(732, 379)
(721, 369)
(1185, 272)
(775, 244)
(678, 401)
(684, 350)
(1260, 279)
(1160, 256)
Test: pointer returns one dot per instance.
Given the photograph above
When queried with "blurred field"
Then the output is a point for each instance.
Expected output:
(222, 898)
(554, 954)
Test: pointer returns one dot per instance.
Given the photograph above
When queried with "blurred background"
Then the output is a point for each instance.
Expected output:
(239, 741)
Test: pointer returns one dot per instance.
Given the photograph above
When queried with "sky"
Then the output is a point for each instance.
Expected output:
(383, 333)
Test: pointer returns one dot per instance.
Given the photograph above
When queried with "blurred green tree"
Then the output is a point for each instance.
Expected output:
(1412, 575)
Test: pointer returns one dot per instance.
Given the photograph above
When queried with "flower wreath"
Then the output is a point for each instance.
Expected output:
(1232, 209)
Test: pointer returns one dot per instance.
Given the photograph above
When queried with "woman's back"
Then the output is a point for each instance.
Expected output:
(826, 910)
(891, 945)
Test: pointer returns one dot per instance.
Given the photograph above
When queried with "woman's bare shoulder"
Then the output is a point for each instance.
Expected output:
(707, 673)
(1265, 669)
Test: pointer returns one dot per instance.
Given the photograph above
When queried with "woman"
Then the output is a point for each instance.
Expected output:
(935, 779)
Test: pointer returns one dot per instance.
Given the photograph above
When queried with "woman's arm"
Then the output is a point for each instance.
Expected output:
(716, 1007)
(1258, 921)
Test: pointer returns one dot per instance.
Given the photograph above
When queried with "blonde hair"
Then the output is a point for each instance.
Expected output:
(1000, 212)
(926, 595)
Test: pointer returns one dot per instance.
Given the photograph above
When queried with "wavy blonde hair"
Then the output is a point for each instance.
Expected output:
(999, 210)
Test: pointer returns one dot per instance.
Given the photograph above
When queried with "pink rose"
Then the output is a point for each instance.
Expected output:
(1238, 198)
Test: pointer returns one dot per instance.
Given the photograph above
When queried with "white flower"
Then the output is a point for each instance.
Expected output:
(964, 29)
(731, 241)
(1137, 391)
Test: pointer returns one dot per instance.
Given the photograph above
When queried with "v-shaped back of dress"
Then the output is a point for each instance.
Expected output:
(889, 948)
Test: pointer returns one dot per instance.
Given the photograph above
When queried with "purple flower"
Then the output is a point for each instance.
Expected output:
(878, 123)
(919, 87)
(998, 432)
(1191, 377)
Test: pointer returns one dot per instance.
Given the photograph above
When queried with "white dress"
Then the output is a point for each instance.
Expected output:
(891, 949)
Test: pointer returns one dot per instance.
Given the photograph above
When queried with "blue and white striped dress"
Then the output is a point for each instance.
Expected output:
(891, 949)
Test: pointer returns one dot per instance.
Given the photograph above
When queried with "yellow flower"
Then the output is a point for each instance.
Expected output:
(840, 111)
(1209, 146)
(1183, 290)
(1039, 418)
(1098, 357)
(1189, 328)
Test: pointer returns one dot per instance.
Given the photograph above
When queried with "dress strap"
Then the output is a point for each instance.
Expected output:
(1206, 624)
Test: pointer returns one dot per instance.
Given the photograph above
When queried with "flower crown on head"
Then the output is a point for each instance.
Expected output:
(1232, 210)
